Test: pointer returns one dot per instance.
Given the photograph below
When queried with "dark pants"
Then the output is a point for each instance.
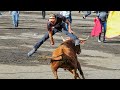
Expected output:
(64, 30)
(43, 14)
(104, 30)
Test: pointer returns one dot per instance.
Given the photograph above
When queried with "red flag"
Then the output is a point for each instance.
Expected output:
(97, 29)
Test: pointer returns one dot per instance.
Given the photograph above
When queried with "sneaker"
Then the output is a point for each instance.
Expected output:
(104, 41)
(84, 17)
(99, 40)
(31, 52)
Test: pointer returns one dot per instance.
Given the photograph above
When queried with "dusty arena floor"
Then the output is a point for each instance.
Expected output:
(98, 60)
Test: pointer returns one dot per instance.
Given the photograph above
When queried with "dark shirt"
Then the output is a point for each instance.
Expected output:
(58, 25)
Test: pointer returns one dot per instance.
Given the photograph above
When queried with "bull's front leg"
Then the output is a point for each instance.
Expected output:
(54, 70)
(75, 73)
(55, 73)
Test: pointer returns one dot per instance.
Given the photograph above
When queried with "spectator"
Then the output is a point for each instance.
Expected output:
(15, 18)
(67, 14)
(102, 15)
(43, 14)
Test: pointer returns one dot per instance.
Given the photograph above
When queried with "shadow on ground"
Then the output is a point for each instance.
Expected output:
(17, 28)
(113, 42)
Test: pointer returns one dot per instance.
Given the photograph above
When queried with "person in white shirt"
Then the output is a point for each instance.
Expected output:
(67, 14)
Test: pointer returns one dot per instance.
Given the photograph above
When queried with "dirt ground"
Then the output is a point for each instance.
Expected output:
(98, 60)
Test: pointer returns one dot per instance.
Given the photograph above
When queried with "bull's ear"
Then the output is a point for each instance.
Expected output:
(63, 39)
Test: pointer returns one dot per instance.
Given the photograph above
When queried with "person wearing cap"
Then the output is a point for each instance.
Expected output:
(56, 23)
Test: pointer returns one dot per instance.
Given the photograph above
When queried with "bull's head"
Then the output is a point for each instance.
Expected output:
(76, 48)
(82, 41)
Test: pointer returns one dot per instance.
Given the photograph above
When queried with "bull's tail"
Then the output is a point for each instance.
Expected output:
(80, 70)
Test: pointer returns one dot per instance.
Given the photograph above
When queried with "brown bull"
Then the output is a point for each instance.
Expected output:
(65, 56)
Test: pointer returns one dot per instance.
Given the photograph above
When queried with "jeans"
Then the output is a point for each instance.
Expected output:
(70, 20)
(64, 30)
(104, 28)
(15, 18)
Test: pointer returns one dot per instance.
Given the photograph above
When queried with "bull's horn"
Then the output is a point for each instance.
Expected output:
(63, 39)
(84, 39)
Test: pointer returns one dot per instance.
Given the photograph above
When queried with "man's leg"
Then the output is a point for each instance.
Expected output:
(70, 17)
(86, 13)
(40, 42)
(70, 20)
(13, 19)
(104, 26)
(99, 37)
(65, 31)
(43, 14)
(71, 35)
(75, 38)
(17, 20)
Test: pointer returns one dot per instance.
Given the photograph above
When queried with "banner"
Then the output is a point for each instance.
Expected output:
(113, 24)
